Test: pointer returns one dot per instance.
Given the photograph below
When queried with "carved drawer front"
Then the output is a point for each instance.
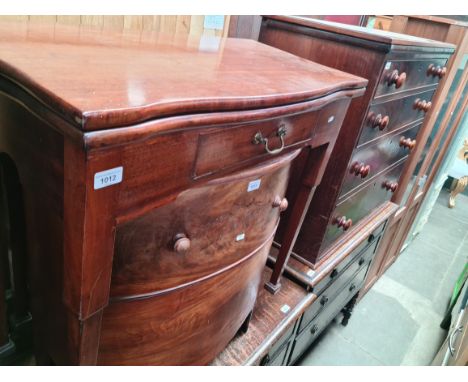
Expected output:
(399, 76)
(341, 278)
(370, 161)
(233, 145)
(184, 326)
(310, 333)
(385, 117)
(358, 205)
(202, 231)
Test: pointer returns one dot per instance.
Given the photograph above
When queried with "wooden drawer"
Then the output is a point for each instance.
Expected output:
(416, 75)
(334, 274)
(362, 260)
(392, 115)
(233, 145)
(225, 221)
(376, 158)
(185, 326)
(278, 358)
(358, 205)
(329, 121)
(316, 326)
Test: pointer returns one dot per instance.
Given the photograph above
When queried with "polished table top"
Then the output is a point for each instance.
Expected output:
(97, 78)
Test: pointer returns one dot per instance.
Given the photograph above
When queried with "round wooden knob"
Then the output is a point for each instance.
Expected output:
(342, 222)
(436, 71)
(396, 78)
(390, 186)
(360, 169)
(422, 104)
(181, 243)
(378, 121)
(281, 203)
(407, 143)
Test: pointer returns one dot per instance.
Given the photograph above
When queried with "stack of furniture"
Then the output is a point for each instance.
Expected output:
(153, 182)
(371, 155)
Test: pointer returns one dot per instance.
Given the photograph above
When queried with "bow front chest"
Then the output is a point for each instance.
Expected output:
(153, 171)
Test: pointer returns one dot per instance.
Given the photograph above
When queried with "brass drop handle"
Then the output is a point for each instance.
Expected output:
(378, 121)
(390, 186)
(280, 203)
(407, 143)
(181, 243)
(260, 139)
(396, 78)
(342, 222)
(436, 71)
(360, 169)
(422, 104)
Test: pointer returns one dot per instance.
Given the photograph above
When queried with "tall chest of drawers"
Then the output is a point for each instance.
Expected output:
(380, 129)
(153, 171)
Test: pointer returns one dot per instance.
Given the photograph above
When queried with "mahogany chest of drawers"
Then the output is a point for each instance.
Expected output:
(380, 129)
(154, 171)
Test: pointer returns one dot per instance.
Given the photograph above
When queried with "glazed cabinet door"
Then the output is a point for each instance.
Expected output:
(186, 274)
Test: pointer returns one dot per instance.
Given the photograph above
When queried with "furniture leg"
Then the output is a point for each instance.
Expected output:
(459, 187)
(348, 310)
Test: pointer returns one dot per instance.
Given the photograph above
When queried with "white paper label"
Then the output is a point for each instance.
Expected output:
(310, 273)
(108, 178)
(388, 65)
(254, 185)
(240, 237)
(331, 119)
(285, 308)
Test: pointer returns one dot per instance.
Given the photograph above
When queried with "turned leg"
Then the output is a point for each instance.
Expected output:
(348, 310)
(459, 187)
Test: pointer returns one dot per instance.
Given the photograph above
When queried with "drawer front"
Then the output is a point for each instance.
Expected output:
(312, 331)
(327, 297)
(360, 204)
(234, 145)
(369, 161)
(371, 241)
(203, 231)
(185, 326)
(278, 358)
(282, 341)
(399, 76)
(385, 117)
(329, 121)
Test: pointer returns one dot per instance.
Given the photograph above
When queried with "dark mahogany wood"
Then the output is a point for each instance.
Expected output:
(155, 269)
(270, 326)
(143, 85)
(396, 67)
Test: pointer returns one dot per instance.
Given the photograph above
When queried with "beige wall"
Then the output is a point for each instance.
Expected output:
(188, 25)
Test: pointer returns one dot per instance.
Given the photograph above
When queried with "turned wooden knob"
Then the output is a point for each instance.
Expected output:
(342, 222)
(390, 186)
(407, 143)
(281, 203)
(378, 121)
(422, 104)
(360, 169)
(181, 243)
(397, 79)
(436, 71)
